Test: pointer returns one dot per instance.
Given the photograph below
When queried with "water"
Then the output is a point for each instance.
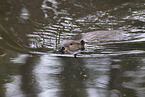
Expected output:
(31, 30)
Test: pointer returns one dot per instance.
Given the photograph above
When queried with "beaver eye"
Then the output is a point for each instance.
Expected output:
(71, 44)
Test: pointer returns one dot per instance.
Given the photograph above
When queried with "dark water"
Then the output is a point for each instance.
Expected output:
(30, 30)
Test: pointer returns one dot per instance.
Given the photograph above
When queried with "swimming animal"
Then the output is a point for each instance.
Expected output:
(103, 36)
(68, 46)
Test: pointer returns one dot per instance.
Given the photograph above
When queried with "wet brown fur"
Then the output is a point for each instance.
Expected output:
(71, 45)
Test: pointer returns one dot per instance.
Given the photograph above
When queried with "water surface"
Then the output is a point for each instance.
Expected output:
(31, 30)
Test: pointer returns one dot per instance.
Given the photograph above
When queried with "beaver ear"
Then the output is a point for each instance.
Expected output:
(82, 42)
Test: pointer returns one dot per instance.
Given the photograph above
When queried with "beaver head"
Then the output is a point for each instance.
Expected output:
(70, 45)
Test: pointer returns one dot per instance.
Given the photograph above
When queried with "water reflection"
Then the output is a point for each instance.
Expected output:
(127, 76)
(7, 70)
(45, 75)
(13, 89)
(110, 69)
(29, 84)
(73, 77)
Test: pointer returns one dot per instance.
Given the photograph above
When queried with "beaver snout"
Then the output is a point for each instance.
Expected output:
(61, 50)
(68, 46)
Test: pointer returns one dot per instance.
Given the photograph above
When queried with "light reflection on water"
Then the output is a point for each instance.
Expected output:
(45, 72)
(51, 75)
(60, 76)
(105, 69)
(13, 89)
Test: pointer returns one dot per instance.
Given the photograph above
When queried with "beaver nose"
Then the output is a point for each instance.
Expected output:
(61, 50)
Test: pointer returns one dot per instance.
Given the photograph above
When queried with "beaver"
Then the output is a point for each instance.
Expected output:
(68, 46)
(103, 36)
